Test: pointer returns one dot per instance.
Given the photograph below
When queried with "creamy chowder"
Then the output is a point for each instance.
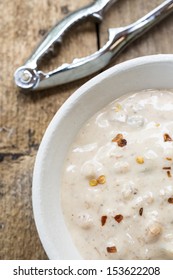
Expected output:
(117, 185)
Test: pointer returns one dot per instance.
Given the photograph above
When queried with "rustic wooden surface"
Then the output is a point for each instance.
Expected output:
(24, 117)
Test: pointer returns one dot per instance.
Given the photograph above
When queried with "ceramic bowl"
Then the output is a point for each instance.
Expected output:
(134, 75)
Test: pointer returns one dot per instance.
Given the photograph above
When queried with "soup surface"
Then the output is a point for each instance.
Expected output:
(117, 185)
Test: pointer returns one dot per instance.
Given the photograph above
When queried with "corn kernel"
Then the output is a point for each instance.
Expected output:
(101, 179)
(140, 160)
(169, 158)
(93, 182)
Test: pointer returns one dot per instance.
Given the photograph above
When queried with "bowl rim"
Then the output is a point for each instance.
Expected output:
(49, 132)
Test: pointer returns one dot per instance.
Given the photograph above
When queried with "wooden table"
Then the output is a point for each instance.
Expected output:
(24, 117)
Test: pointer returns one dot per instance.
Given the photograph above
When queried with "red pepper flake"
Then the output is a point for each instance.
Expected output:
(117, 138)
(169, 174)
(141, 211)
(103, 220)
(170, 200)
(166, 168)
(121, 142)
(167, 137)
(111, 249)
(118, 218)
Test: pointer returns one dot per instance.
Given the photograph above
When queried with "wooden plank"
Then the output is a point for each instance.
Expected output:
(24, 117)
(24, 23)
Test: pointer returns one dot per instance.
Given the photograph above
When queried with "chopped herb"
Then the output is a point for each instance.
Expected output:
(118, 107)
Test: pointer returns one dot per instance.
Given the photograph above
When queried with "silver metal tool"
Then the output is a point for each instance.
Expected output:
(30, 77)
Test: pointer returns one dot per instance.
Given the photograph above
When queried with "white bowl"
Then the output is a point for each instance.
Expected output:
(131, 76)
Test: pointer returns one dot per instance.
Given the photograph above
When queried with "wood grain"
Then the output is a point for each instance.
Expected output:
(24, 117)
